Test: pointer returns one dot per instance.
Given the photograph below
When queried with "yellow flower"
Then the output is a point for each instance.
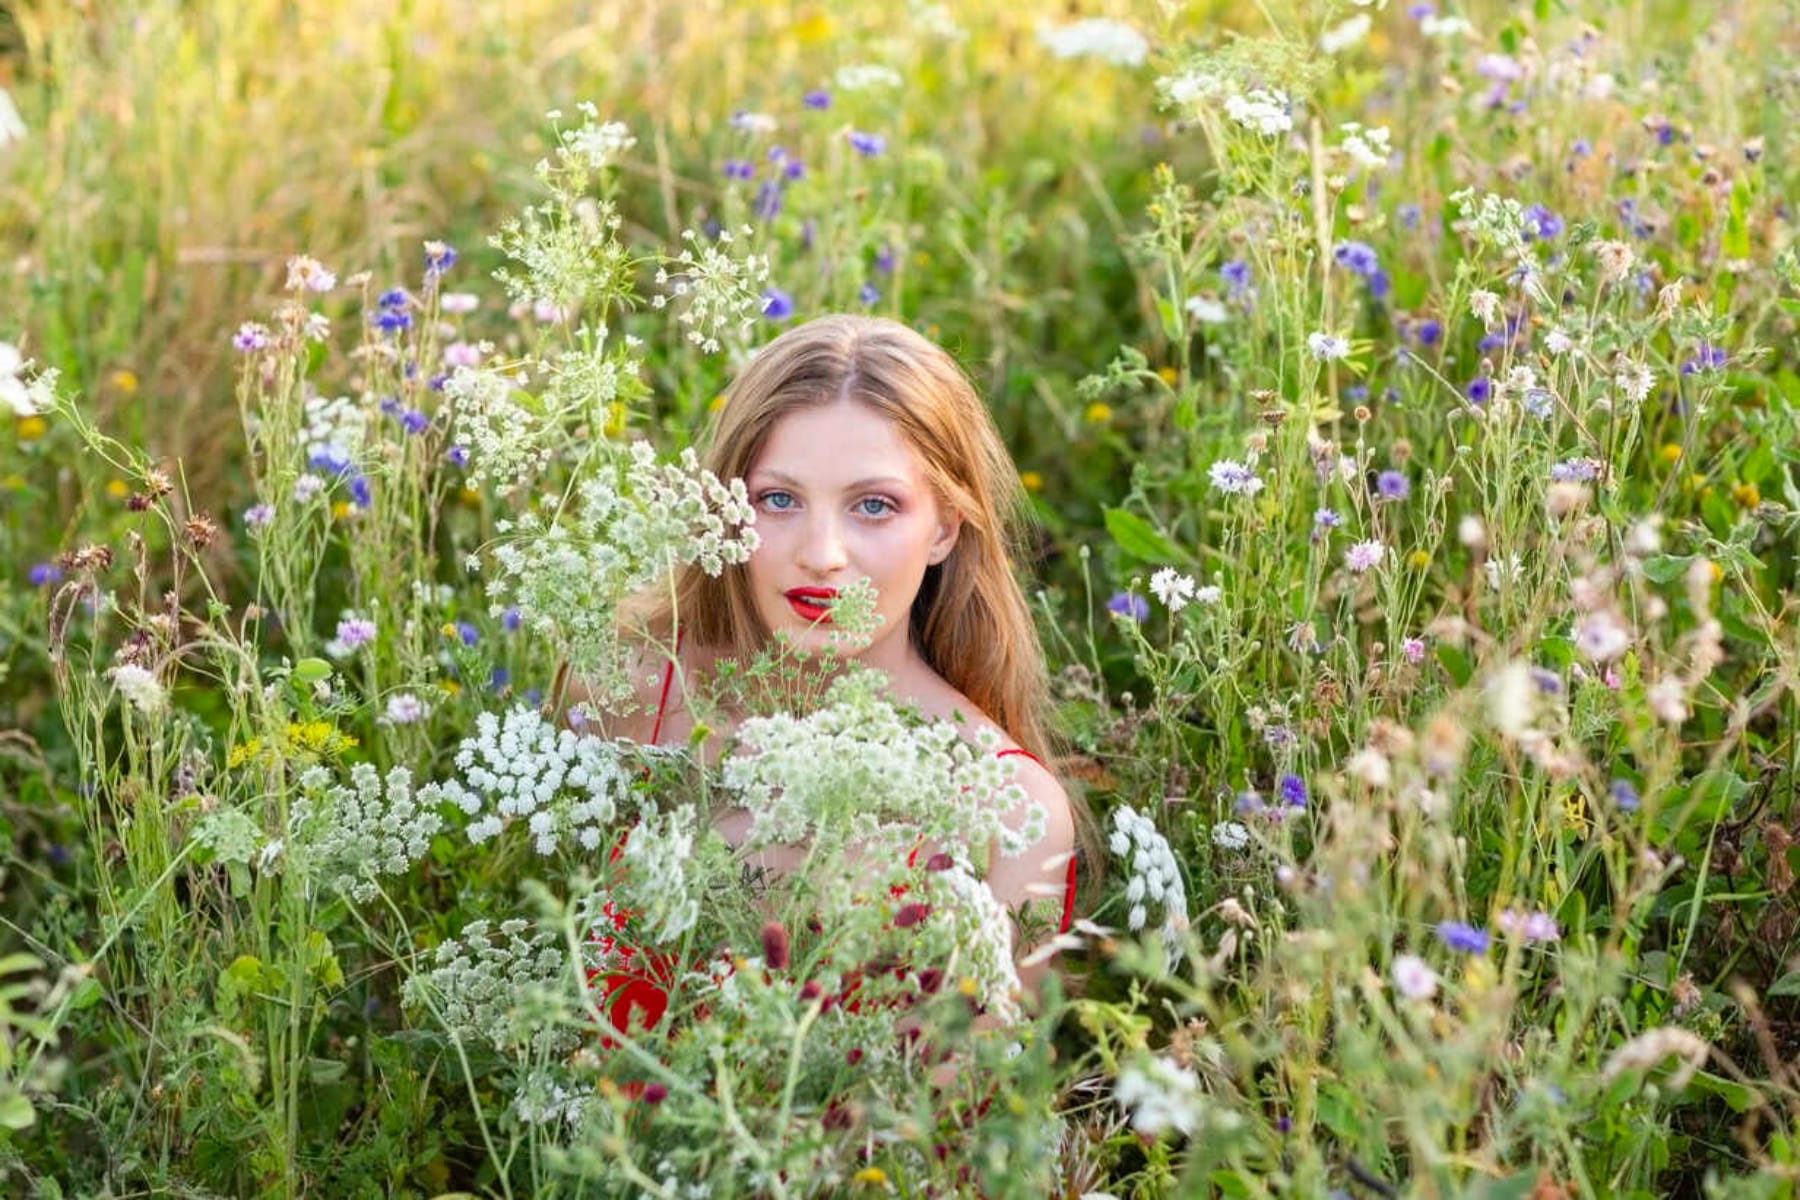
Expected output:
(815, 28)
(340, 509)
(1168, 375)
(615, 420)
(1747, 495)
(966, 986)
(448, 629)
(1419, 559)
(1575, 812)
(923, 259)
(126, 381)
(242, 753)
(1671, 453)
(450, 686)
(874, 1175)
(1097, 413)
(1031, 481)
(116, 489)
(32, 428)
(718, 402)
(470, 496)
(1718, 572)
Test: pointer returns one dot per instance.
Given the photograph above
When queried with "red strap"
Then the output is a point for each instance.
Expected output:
(1068, 914)
(668, 678)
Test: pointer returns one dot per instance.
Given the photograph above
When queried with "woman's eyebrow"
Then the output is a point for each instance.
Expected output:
(893, 481)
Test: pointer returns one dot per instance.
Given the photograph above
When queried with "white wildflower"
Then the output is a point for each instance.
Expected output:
(1601, 637)
(1414, 978)
(348, 837)
(1208, 310)
(1651, 1047)
(1486, 306)
(405, 708)
(334, 433)
(1369, 149)
(1262, 110)
(308, 274)
(718, 291)
(1345, 34)
(1512, 699)
(1361, 556)
(12, 125)
(1234, 478)
(140, 688)
(1558, 343)
(231, 834)
(1230, 835)
(1434, 26)
(1109, 41)
(25, 397)
(1160, 1096)
(597, 146)
(1173, 588)
(860, 77)
(1209, 594)
(306, 487)
(1189, 87)
(654, 882)
(1634, 380)
(1327, 348)
(1154, 879)
(1615, 260)
(480, 986)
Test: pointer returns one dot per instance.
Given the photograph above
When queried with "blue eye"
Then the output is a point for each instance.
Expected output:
(884, 506)
(770, 499)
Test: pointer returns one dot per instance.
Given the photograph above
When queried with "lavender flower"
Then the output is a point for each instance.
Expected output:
(867, 144)
(777, 304)
(1361, 556)
(1129, 604)
(1462, 937)
(43, 574)
(258, 515)
(1234, 478)
(1392, 485)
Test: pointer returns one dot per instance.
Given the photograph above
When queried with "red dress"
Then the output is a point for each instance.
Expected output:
(636, 988)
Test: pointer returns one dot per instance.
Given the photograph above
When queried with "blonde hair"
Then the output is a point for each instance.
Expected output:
(970, 620)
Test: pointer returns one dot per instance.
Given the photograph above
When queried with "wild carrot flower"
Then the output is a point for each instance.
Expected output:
(1110, 41)
(1155, 878)
(140, 688)
(1261, 110)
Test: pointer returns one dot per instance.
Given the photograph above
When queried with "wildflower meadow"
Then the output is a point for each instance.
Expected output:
(1404, 396)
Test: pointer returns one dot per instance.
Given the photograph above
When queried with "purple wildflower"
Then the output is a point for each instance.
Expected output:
(392, 320)
(498, 678)
(438, 259)
(43, 574)
(739, 168)
(884, 260)
(777, 304)
(359, 491)
(1292, 790)
(1624, 795)
(1480, 389)
(1236, 275)
(1428, 332)
(1541, 223)
(1708, 358)
(414, 421)
(1359, 257)
(458, 456)
(1129, 604)
(1410, 216)
(818, 99)
(329, 458)
(869, 294)
(510, 620)
(468, 633)
(1463, 937)
(258, 515)
(1392, 485)
(250, 336)
(867, 144)
(768, 200)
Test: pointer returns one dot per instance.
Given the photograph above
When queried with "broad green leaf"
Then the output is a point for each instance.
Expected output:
(1138, 538)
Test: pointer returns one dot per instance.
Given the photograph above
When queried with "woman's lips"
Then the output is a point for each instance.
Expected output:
(812, 604)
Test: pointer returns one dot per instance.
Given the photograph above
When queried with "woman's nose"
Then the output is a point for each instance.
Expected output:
(822, 547)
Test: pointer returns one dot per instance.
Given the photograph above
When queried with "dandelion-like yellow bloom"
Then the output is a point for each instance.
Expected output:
(1098, 413)
(341, 509)
(116, 489)
(1747, 495)
(32, 428)
(874, 1175)
(1031, 481)
(1671, 453)
(1168, 375)
(125, 380)
(1420, 559)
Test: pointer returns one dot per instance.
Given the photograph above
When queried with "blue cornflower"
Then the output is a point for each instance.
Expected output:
(1540, 222)
(1458, 935)
(1378, 283)
(1708, 358)
(1392, 485)
(1292, 790)
(391, 406)
(329, 458)
(818, 99)
(793, 168)
(1129, 604)
(510, 620)
(392, 320)
(1624, 795)
(393, 298)
(739, 168)
(1359, 257)
(532, 696)
(1419, 12)
(1326, 518)
(414, 421)
(1491, 341)
(884, 260)
(869, 294)
(1480, 389)
(43, 574)
(359, 491)
(1236, 275)
(777, 304)
(1410, 215)
(867, 144)
(498, 678)
(438, 259)
(458, 456)
(468, 633)
(768, 200)
(1428, 331)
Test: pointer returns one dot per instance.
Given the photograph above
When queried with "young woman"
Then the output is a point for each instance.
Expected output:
(868, 454)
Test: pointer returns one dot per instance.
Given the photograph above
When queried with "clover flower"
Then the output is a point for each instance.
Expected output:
(1155, 877)
(1172, 588)
(1234, 478)
(348, 837)
(563, 786)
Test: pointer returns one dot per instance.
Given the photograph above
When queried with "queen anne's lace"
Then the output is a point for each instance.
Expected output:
(1155, 879)
(350, 836)
(481, 986)
(564, 786)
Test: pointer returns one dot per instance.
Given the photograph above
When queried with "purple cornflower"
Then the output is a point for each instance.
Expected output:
(867, 144)
(1459, 935)
(414, 421)
(43, 574)
(458, 456)
(329, 458)
(392, 320)
(1236, 275)
(818, 99)
(1708, 358)
(1541, 223)
(438, 259)
(498, 678)
(355, 632)
(768, 200)
(1419, 12)
(1359, 257)
(884, 260)
(258, 515)
(1410, 216)
(1326, 518)
(510, 620)
(777, 304)
(359, 491)
(869, 294)
(468, 633)
(1292, 790)
(1624, 795)
(1428, 331)
(1480, 389)
(793, 168)
(1575, 470)
(739, 168)
(1378, 283)
(1129, 604)
(1393, 485)
(250, 336)
(392, 298)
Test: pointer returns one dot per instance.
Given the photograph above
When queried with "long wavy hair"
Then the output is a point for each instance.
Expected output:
(970, 620)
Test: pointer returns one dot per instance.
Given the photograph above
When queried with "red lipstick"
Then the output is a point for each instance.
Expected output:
(805, 601)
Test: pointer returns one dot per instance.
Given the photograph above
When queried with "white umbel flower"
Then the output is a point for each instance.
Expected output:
(1155, 880)
(1109, 41)
(140, 688)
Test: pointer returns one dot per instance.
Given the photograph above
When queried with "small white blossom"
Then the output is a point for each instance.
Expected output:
(308, 274)
(1154, 880)
(1367, 148)
(1208, 310)
(1173, 588)
(350, 836)
(1414, 978)
(1230, 835)
(478, 984)
(1486, 306)
(860, 77)
(1327, 348)
(25, 397)
(1160, 1096)
(1234, 478)
(1345, 34)
(1262, 110)
(1109, 41)
(404, 708)
(140, 688)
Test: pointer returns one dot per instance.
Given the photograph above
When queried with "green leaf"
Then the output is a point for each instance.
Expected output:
(1667, 568)
(312, 670)
(1138, 538)
(87, 994)
(1455, 662)
(1787, 985)
(325, 1070)
(1737, 1095)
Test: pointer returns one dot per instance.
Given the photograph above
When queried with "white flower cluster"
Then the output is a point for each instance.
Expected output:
(978, 930)
(636, 520)
(1262, 110)
(1345, 34)
(595, 144)
(860, 77)
(335, 429)
(855, 771)
(25, 397)
(1189, 88)
(1366, 148)
(570, 254)
(140, 688)
(1173, 588)
(1155, 880)
(719, 290)
(542, 1099)
(563, 785)
(1160, 1095)
(231, 834)
(655, 883)
(1109, 41)
(1494, 220)
(478, 983)
(349, 836)
(507, 441)
(582, 382)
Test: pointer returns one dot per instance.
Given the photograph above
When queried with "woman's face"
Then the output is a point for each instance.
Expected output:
(840, 495)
